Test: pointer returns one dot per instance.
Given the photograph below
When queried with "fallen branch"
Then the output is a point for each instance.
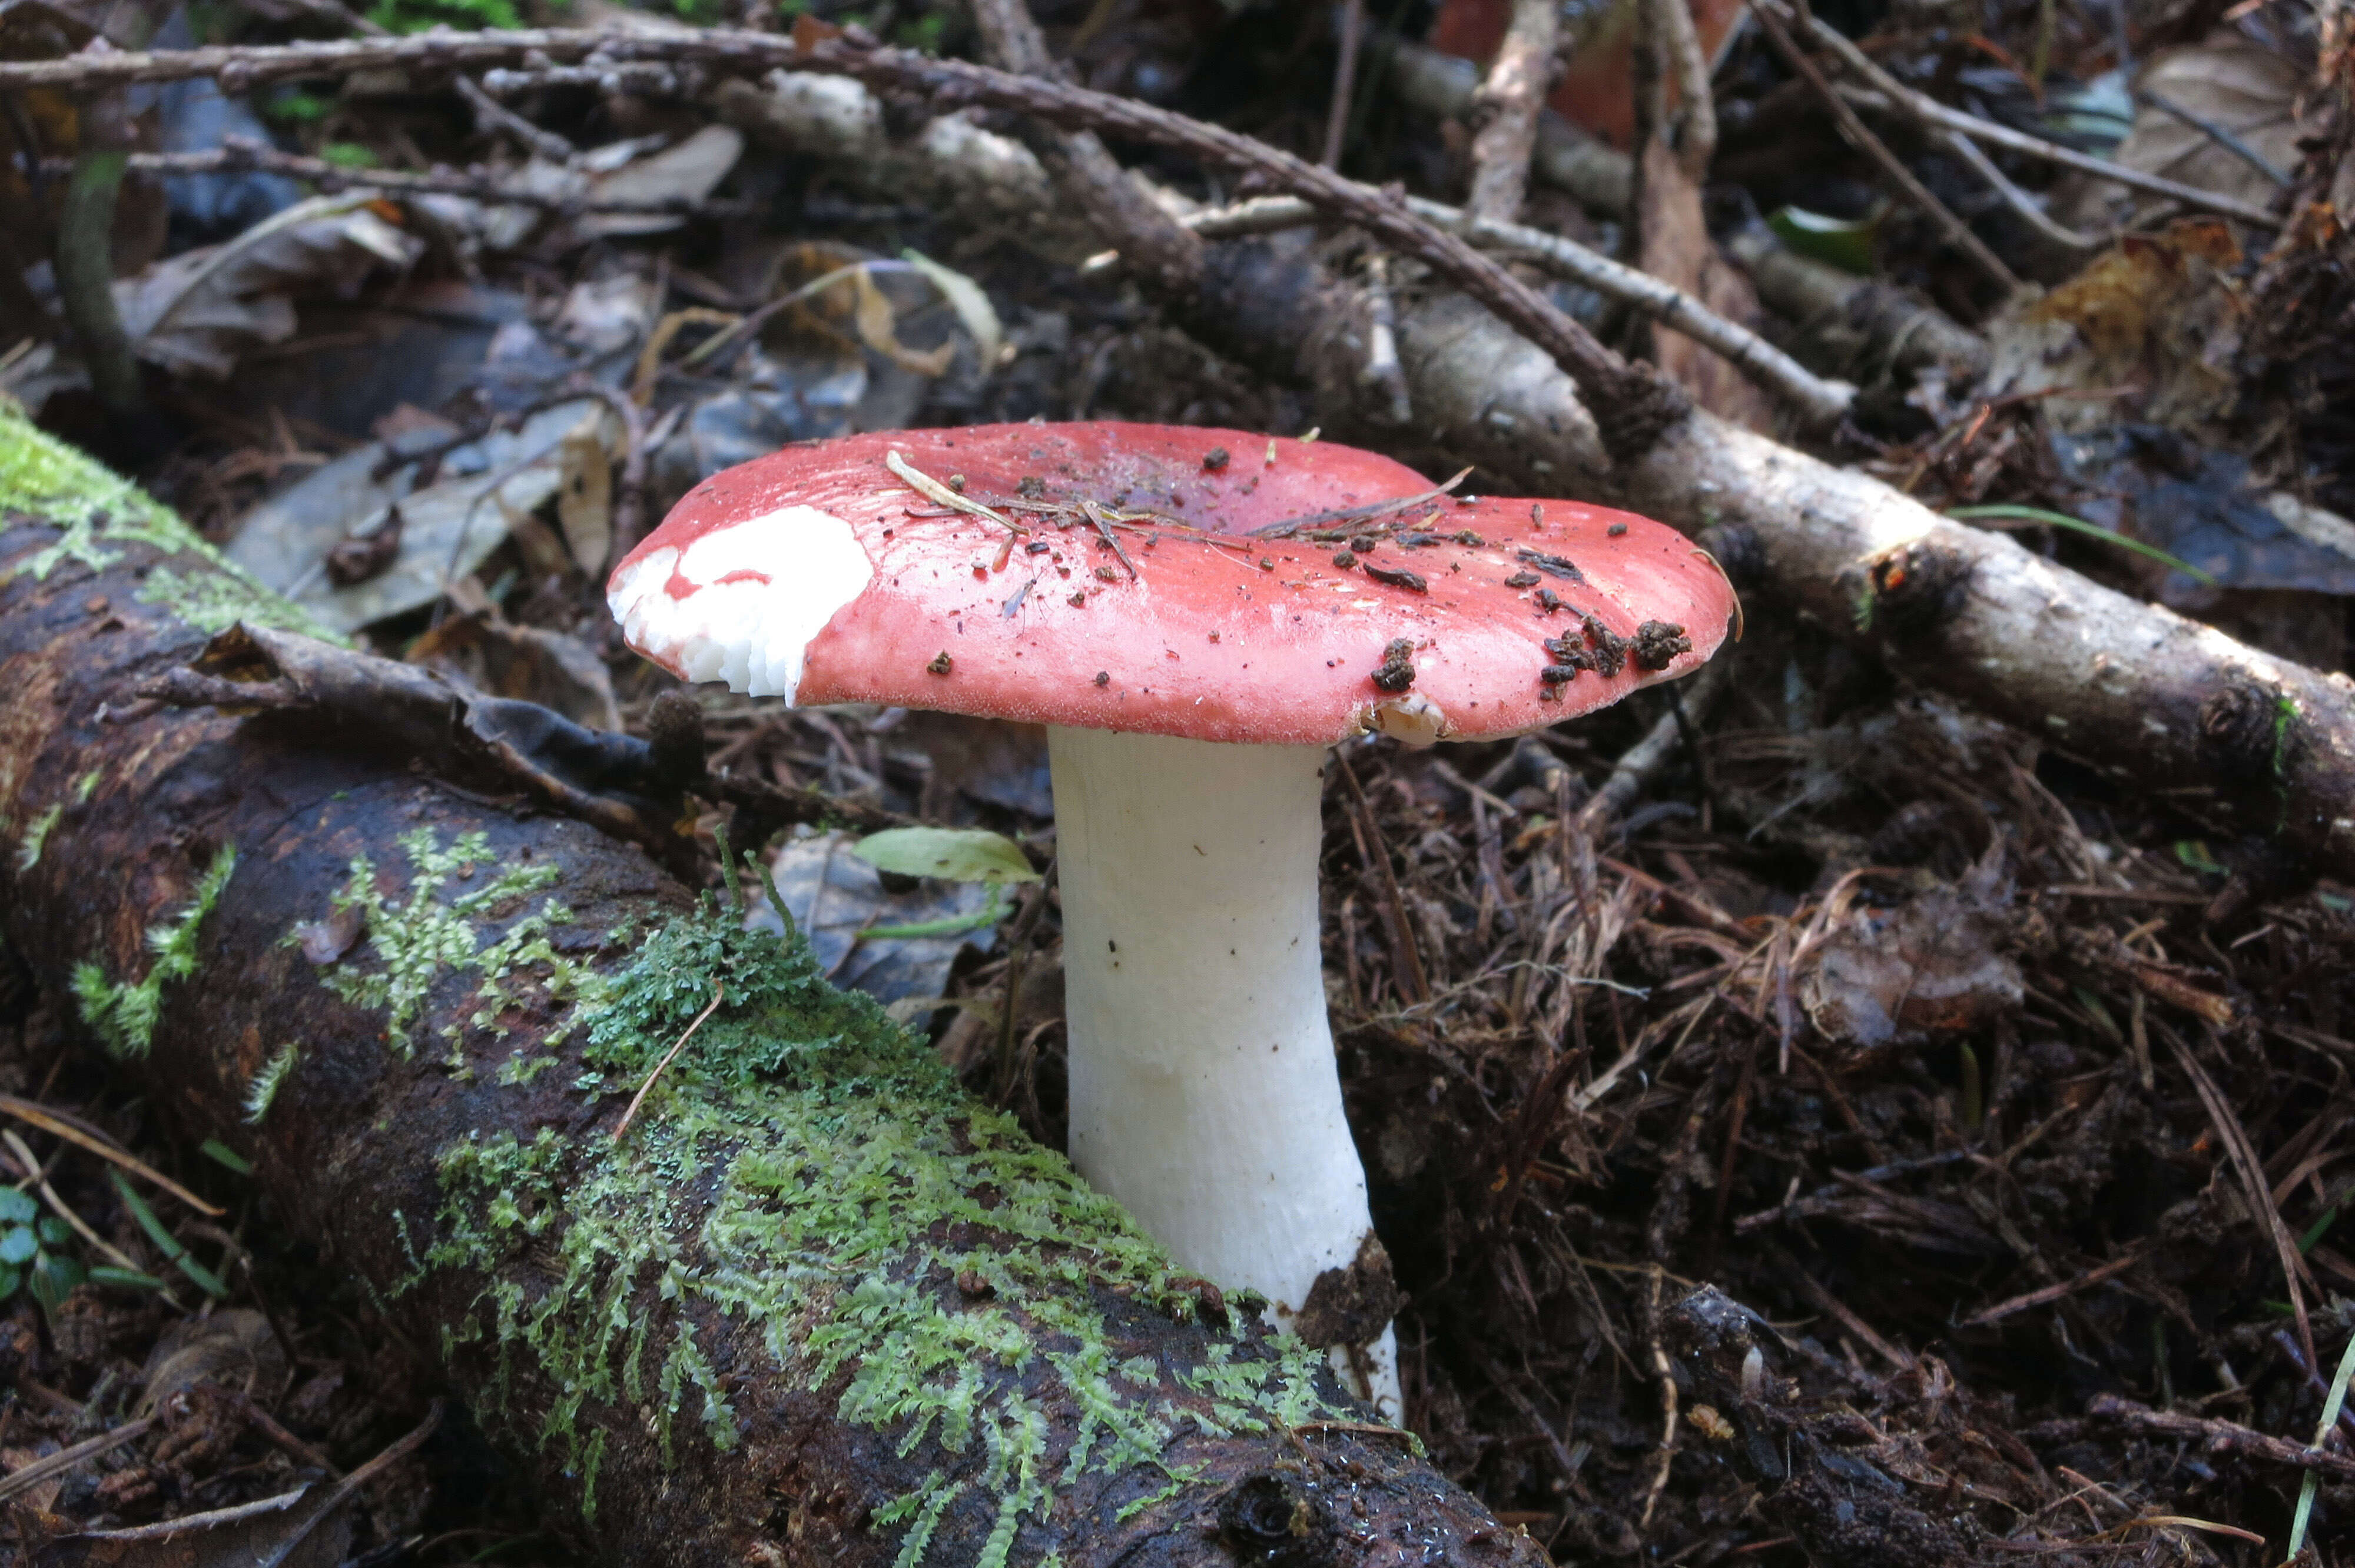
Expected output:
(1897, 327)
(1819, 403)
(2160, 701)
(818, 1308)
(1859, 135)
(1924, 107)
(1508, 103)
(238, 154)
(1636, 404)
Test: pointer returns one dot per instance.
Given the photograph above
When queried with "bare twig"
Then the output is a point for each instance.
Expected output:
(1665, 1376)
(719, 995)
(1076, 157)
(1819, 401)
(1692, 129)
(2218, 134)
(104, 1248)
(238, 153)
(1932, 111)
(49, 1121)
(1642, 762)
(1633, 407)
(341, 1492)
(1860, 136)
(1508, 105)
(489, 114)
(1352, 24)
(2031, 211)
(65, 1459)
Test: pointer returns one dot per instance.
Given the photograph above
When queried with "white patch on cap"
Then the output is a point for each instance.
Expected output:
(1410, 719)
(791, 570)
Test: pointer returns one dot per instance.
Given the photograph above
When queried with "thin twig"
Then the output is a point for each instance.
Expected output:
(1634, 406)
(2218, 134)
(1666, 1375)
(65, 1459)
(238, 154)
(104, 1248)
(1643, 761)
(719, 995)
(1076, 159)
(1345, 82)
(2031, 211)
(56, 1126)
(489, 114)
(1508, 105)
(1820, 402)
(341, 1492)
(1692, 130)
(1987, 130)
(2251, 1169)
(1860, 136)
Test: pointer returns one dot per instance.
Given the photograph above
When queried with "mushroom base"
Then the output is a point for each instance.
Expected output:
(1204, 1095)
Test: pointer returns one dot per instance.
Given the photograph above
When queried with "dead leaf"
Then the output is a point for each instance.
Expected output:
(2159, 313)
(688, 171)
(2233, 84)
(878, 329)
(1928, 969)
(234, 1349)
(970, 301)
(1678, 249)
(492, 655)
(447, 528)
(199, 311)
(585, 500)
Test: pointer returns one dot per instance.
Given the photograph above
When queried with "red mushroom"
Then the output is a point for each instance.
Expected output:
(1198, 614)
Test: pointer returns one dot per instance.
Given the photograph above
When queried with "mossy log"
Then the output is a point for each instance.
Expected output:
(814, 1306)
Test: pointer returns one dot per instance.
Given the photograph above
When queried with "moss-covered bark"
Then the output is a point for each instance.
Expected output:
(814, 1307)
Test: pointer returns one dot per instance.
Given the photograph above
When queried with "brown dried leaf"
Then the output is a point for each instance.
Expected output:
(2233, 85)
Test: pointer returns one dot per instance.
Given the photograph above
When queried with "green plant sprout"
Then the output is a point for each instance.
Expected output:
(2006, 512)
(952, 855)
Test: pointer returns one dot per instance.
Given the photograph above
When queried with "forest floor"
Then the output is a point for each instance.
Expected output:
(2017, 1098)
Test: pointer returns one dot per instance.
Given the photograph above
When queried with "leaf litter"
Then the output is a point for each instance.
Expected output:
(1975, 1070)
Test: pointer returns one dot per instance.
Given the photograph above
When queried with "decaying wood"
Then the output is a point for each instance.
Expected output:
(1507, 104)
(2160, 701)
(816, 1307)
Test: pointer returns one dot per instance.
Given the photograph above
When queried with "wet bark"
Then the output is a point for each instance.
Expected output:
(679, 1393)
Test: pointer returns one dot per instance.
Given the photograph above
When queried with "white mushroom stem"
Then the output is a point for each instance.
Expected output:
(1204, 1096)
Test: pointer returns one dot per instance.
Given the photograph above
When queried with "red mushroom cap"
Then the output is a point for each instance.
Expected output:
(1258, 590)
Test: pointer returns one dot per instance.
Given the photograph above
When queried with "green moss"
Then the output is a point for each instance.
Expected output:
(263, 1089)
(417, 942)
(99, 511)
(85, 786)
(28, 853)
(123, 1013)
(807, 1176)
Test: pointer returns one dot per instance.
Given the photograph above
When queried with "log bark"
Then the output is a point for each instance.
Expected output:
(2247, 741)
(816, 1306)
